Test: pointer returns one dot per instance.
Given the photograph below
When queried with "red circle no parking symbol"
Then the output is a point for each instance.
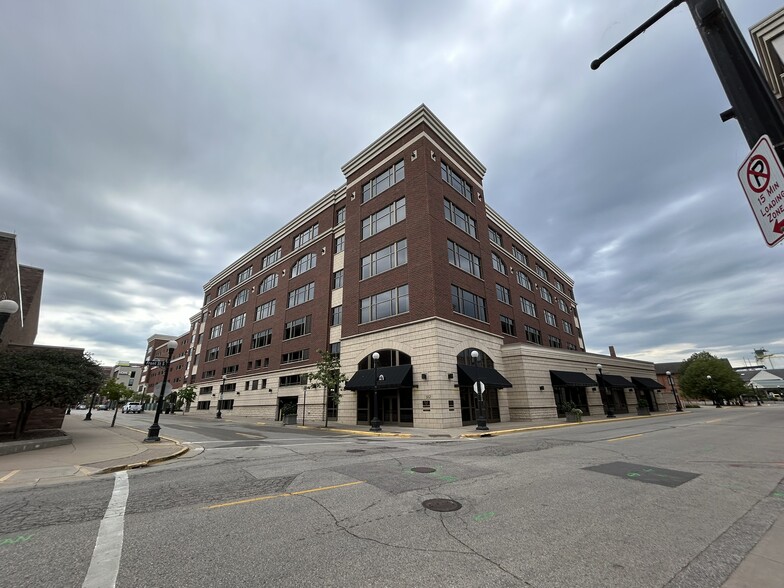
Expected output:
(758, 173)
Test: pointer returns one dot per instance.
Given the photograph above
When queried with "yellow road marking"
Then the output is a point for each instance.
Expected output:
(626, 437)
(258, 498)
(9, 475)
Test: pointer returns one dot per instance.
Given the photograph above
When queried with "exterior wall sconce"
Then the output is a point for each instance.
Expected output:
(424, 376)
(450, 376)
(541, 387)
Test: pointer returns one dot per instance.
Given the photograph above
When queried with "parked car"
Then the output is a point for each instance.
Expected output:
(102, 407)
(82, 407)
(134, 407)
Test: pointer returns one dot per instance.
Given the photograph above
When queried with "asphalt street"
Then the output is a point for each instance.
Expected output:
(672, 501)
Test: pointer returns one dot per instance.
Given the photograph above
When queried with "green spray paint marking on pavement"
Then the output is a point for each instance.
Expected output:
(484, 516)
(12, 541)
(779, 494)
(633, 475)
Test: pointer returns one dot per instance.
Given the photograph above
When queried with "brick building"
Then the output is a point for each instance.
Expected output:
(406, 260)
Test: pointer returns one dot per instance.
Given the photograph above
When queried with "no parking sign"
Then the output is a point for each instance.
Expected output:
(762, 178)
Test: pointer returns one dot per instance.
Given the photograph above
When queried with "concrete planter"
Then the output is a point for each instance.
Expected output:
(289, 419)
(573, 417)
(643, 411)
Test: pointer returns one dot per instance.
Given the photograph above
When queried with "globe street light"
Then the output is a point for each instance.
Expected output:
(220, 397)
(479, 389)
(607, 394)
(713, 391)
(7, 308)
(678, 406)
(375, 424)
(155, 428)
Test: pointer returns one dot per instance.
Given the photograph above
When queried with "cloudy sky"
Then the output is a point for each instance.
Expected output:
(146, 145)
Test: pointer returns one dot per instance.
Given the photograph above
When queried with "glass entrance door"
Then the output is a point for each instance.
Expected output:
(389, 409)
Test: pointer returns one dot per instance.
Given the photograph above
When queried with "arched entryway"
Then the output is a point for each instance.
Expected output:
(471, 370)
(390, 380)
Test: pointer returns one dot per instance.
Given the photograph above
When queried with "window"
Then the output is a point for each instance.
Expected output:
(261, 339)
(306, 236)
(340, 216)
(546, 294)
(519, 255)
(549, 318)
(237, 322)
(562, 305)
(223, 288)
(293, 356)
(242, 297)
(271, 258)
(337, 316)
(542, 272)
(528, 306)
(451, 177)
(468, 304)
(385, 259)
(297, 328)
(231, 369)
(203, 405)
(554, 341)
(212, 353)
(384, 218)
(464, 259)
(340, 243)
(295, 380)
(266, 362)
(301, 295)
(268, 283)
(533, 335)
(523, 280)
(337, 280)
(559, 286)
(571, 346)
(233, 347)
(216, 331)
(502, 294)
(383, 181)
(305, 263)
(508, 326)
(495, 236)
(265, 310)
(384, 305)
(334, 349)
(220, 309)
(498, 263)
(244, 275)
(459, 218)
(567, 327)
(208, 374)
(205, 390)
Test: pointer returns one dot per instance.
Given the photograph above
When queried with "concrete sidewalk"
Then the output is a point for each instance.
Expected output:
(95, 448)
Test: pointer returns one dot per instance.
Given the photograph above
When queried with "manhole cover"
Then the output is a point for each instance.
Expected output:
(442, 505)
(423, 470)
(355, 451)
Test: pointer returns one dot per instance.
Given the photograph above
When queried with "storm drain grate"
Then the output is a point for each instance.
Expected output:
(442, 505)
(422, 470)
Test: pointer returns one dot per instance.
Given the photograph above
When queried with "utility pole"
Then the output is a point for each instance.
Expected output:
(751, 100)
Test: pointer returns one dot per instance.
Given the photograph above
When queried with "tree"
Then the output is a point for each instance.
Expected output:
(45, 376)
(116, 392)
(724, 383)
(187, 394)
(329, 377)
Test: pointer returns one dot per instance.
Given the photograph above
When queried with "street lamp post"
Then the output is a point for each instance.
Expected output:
(155, 428)
(713, 391)
(375, 424)
(220, 398)
(479, 389)
(89, 415)
(610, 412)
(7, 308)
(678, 405)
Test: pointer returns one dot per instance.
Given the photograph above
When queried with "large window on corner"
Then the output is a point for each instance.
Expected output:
(464, 259)
(384, 305)
(468, 304)
(383, 181)
(384, 218)
(452, 178)
(460, 219)
(384, 260)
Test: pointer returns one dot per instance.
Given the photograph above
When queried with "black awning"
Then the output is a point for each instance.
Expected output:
(616, 381)
(570, 379)
(468, 374)
(647, 383)
(396, 376)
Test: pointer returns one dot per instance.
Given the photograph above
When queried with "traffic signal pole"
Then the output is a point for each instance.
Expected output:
(752, 102)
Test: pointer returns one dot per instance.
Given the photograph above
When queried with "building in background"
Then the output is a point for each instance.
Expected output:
(419, 286)
(768, 39)
(128, 374)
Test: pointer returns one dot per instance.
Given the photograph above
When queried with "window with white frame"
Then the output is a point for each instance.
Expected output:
(304, 263)
(562, 305)
(268, 283)
(336, 319)
(519, 255)
(244, 275)
(271, 258)
(464, 259)
(542, 272)
(340, 216)
(498, 263)
(224, 287)
(233, 347)
(385, 259)
(212, 354)
(528, 306)
(460, 219)
(495, 236)
(302, 295)
(340, 243)
(549, 318)
(219, 309)
(523, 280)
(384, 305)
(383, 181)
(241, 297)
(216, 331)
(337, 280)
(384, 218)
(237, 322)
(261, 339)
(265, 310)
(559, 286)
(546, 294)
(567, 327)
(502, 294)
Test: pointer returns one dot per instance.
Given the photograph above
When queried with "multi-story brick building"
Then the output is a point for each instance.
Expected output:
(406, 260)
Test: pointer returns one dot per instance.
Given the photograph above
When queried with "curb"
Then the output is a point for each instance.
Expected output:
(355, 432)
(141, 464)
(12, 447)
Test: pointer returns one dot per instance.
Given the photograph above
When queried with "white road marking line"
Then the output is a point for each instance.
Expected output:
(105, 564)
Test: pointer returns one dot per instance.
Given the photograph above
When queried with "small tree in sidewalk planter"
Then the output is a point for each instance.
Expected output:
(329, 377)
(289, 413)
(187, 395)
(116, 392)
(573, 414)
(642, 407)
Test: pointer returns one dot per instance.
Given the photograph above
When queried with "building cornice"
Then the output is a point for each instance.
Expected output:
(420, 115)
